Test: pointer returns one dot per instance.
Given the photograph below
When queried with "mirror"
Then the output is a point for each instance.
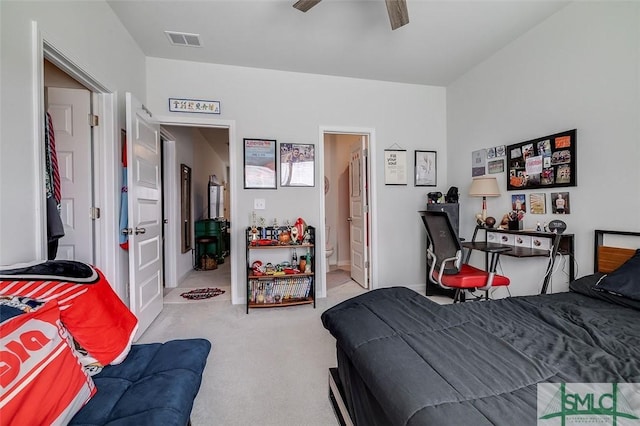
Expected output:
(185, 206)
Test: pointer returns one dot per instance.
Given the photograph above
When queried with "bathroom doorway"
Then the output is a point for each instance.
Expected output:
(347, 218)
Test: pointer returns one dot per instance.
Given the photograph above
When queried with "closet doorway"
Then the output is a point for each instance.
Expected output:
(68, 104)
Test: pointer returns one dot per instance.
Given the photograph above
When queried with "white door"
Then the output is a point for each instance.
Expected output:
(69, 110)
(145, 214)
(358, 216)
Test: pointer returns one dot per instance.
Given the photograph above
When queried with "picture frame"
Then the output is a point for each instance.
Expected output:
(519, 203)
(479, 163)
(560, 203)
(260, 164)
(546, 162)
(496, 166)
(395, 166)
(425, 168)
(297, 164)
(538, 203)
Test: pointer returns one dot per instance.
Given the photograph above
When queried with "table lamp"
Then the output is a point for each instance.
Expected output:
(484, 187)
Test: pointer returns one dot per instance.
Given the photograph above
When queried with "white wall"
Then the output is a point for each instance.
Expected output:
(578, 69)
(291, 107)
(89, 35)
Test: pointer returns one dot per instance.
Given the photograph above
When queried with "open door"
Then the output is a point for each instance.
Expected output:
(358, 213)
(145, 214)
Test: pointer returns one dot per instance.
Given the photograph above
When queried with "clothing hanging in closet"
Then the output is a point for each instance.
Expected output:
(55, 229)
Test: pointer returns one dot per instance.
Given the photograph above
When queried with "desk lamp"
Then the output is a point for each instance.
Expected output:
(484, 187)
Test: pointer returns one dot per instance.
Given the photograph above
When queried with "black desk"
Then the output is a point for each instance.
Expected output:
(514, 251)
(561, 243)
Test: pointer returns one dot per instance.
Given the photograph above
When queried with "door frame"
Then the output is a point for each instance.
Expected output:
(372, 223)
(230, 125)
(105, 157)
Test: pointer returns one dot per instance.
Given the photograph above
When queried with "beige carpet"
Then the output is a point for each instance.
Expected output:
(267, 368)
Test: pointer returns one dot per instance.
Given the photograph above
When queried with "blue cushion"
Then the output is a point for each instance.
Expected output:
(624, 281)
(156, 384)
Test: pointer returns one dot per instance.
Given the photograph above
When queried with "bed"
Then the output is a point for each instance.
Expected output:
(405, 360)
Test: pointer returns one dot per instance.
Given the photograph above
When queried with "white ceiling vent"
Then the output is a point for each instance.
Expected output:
(184, 39)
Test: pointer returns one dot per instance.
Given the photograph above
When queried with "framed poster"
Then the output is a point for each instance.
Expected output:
(547, 162)
(259, 164)
(395, 167)
(479, 163)
(426, 168)
(297, 164)
(538, 203)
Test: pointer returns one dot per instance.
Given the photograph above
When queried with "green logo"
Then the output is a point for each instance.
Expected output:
(587, 403)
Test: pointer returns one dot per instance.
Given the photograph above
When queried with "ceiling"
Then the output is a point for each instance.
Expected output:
(443, 40)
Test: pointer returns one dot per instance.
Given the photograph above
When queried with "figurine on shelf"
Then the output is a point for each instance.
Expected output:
(301, 226)
(263, 228)
(307, 237)
(284, 237)
(307, 267)
(294, 235)
(254, 228)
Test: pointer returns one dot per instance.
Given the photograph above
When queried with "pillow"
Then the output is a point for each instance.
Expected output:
(90, 310)
(624, 281)
(584, 285)
(41, 380)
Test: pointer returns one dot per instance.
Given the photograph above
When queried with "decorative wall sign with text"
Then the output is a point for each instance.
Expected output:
(194, 105)
(395, 167)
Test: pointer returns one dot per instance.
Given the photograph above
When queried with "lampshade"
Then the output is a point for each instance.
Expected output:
(484, 187)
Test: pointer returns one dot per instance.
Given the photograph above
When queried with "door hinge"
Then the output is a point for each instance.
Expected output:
(365, 152)
(365, 209)
(366, 265)
(94, 120)
(94, 213)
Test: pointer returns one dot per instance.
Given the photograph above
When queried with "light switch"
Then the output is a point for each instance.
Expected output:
(259, 204)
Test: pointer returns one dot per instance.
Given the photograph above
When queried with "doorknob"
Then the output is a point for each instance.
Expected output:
(127, 231)
(349, 219)
(140, 230)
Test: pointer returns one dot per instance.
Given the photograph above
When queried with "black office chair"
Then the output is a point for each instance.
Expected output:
(445, 262)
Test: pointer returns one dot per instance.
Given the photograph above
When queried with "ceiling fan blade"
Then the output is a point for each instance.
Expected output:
(304, 5)
(398, 13)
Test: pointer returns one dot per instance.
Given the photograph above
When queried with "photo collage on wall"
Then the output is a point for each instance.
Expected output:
(546, 162)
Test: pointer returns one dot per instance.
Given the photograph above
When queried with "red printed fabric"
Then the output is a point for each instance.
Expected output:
(41, 380)
(90, 310)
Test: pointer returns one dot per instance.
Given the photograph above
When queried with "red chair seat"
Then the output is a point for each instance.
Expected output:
(471, 277)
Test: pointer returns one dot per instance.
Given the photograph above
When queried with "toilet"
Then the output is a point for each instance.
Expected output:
(328, 248)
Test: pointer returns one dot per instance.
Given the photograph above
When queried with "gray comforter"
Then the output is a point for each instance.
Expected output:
(477, 362)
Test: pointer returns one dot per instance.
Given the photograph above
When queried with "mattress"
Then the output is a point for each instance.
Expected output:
(405, 360)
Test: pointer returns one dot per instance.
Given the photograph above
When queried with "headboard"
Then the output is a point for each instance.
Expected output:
(608, 258)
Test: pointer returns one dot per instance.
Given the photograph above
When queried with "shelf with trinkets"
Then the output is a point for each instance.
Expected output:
(280, 265)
